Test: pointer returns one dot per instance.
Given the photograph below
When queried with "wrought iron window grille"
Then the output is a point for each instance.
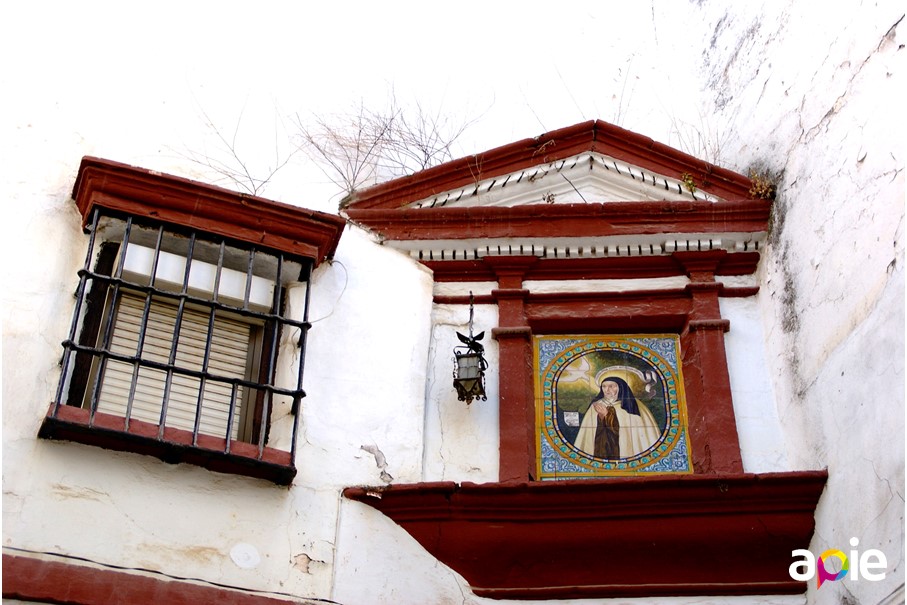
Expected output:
(180, 328)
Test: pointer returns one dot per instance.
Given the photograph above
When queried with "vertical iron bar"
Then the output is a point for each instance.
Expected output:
(177, 326)
(80, 297)
(245, 304)
(220, 266)
(265, 406)
(303, 335)
(267, 400)
(230, 415)
(108, 325)
(207, 357)
(140, 346)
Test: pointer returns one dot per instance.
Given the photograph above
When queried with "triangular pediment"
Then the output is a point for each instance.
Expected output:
(582, 178)
(592, 162)
(593, 191)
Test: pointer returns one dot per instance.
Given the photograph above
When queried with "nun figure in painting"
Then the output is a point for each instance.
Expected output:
(616, 425)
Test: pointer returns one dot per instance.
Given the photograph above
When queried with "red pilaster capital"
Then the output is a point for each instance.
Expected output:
(510, 333)
(724, 325)
(510, 270)
(700, 265)
(510, 294)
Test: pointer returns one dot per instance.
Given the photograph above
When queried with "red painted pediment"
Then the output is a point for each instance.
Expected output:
(590, 162)
(589, 191)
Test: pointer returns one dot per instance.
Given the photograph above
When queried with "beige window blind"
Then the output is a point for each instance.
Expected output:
(229, 358)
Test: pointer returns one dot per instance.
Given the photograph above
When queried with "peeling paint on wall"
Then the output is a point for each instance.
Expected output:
(380, 461)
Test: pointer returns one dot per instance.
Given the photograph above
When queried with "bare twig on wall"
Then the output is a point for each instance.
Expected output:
(227, 160)
(348, 148)
(355, 149)
(421, 138)
(703, 140)
(365, 146)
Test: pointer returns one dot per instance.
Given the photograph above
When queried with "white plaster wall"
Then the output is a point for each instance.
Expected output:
(797, 86)
(816, 94)
(138, 512)
(606, 285)
(365, 371)
(461, 441)
(758, 426)
(131, 510)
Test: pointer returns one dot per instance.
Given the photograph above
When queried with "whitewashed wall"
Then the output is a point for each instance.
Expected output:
(758, 426)
(461, 441)
(138, 512)
(817, 95)
(366, 368)
(785, 85)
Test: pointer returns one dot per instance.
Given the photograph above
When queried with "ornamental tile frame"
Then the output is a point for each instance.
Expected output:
(569, 371)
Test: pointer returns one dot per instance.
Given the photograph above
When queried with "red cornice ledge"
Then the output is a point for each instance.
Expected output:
(566, 220)
(661, 536)
(49, 581)
(179, 201)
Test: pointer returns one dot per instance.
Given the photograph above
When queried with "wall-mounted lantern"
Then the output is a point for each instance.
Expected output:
(469, 371)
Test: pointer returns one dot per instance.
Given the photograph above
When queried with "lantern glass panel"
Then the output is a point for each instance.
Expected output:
(468, 366)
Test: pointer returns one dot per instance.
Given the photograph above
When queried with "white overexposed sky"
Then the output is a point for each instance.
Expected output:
(139, 82)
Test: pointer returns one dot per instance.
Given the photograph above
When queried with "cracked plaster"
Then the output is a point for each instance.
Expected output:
(810, 92)
(823, 107)
(461, 441)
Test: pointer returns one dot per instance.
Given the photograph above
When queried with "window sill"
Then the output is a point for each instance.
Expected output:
(727, 534)
(72, 424)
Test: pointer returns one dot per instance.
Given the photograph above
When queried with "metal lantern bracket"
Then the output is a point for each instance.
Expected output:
(470, 364)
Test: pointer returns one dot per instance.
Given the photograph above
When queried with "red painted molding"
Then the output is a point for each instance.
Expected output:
(728, 534)
(507, 294)
(609, 312)
(592, 136)
(488, 299)
(700, 265)
(72, 424)
(502, 333)
(516, 410)
(634, 267)
(738, 291)
(722, 325)
(565, 220)
(31, 579)
(463, 299)
(179, 201)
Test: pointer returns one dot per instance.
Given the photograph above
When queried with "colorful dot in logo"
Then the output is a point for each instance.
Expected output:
(822, 572)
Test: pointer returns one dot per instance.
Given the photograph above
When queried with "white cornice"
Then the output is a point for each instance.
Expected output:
(578, 247)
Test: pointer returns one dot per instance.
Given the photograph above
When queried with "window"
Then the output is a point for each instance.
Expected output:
(188, 343)
(180, 330)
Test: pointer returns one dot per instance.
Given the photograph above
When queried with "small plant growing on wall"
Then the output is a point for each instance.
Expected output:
(688, 182)
(763, 186)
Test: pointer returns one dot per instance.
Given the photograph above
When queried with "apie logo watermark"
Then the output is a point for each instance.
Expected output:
(833, 565)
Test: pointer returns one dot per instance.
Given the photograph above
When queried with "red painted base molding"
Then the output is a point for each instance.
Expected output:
(729, 534)
(70, 423)
(30, 579)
